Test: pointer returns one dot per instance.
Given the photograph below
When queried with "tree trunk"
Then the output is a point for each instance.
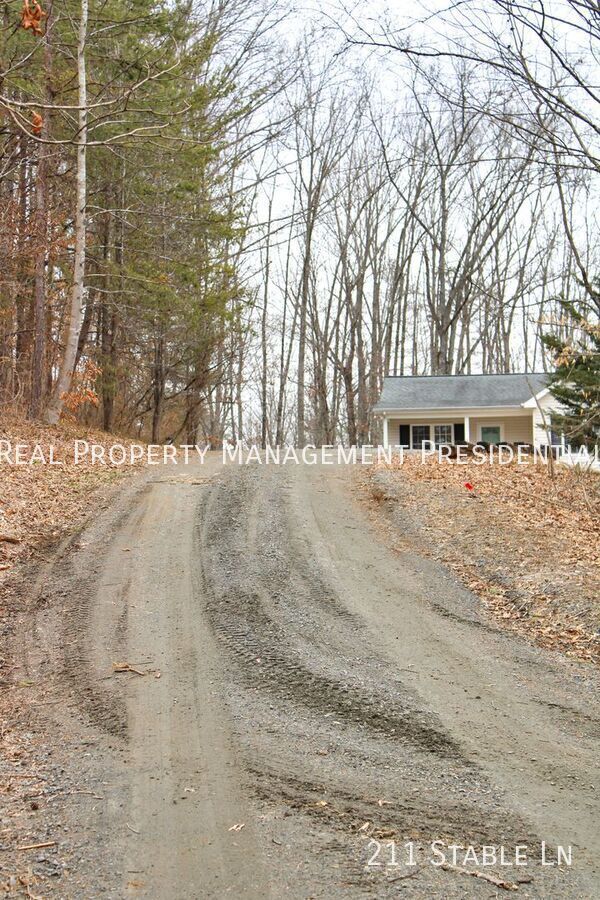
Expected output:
(24, 304)
(65, 374)
(109, 380)
(39, 293)
(41, 236)
(158, 388)
(264, 426)
(349, 388)
(111, 351)
(303, 301)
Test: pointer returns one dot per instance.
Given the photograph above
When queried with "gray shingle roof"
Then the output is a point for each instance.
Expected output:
(446, 391)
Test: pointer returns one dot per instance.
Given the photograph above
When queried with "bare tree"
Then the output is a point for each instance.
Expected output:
(67, 366)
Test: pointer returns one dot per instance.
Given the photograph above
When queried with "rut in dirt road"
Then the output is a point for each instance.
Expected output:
(251, 579)
(329, 724)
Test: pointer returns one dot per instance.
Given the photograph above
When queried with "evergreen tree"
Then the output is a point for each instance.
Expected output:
(575, 383)
(147, 231)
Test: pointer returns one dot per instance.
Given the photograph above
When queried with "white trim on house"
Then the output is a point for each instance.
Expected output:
(446, 412)
(412, 439)
(533, 401)
(449, 425)
(432, 427)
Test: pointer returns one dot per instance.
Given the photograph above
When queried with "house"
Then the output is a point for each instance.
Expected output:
(452, 409)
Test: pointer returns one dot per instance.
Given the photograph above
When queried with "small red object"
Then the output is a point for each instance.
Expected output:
(469, 486)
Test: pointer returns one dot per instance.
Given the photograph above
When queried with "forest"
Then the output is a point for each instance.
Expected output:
(229, 219)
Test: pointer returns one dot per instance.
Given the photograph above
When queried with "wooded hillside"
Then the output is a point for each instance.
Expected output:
(227, 220)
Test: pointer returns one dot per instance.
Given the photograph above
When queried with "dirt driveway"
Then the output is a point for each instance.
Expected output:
(309, 701)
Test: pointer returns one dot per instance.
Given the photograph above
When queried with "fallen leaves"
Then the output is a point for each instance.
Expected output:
(31, 16)
(529, 548)
(37, 122)
(40, 503)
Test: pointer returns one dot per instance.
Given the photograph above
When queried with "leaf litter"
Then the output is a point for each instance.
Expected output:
(526, 543)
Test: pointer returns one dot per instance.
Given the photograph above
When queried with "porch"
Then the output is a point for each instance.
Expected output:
(494, 427)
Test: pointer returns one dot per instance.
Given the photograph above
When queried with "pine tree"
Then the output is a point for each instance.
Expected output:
(575, 383)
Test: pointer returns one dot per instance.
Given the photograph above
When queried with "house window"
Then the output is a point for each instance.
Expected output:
(490, 434)
(420, 433)
(442, 434)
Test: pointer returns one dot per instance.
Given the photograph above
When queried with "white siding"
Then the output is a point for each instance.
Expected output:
(547, 404)
(513, 429)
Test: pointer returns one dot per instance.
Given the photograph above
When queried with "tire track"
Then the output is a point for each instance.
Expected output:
(249, 569)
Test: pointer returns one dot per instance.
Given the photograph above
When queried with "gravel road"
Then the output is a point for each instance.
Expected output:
(310, 702)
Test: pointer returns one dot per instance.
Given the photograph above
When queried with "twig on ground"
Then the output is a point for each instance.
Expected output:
(412, 874)
(37, 846)
(475, 873)
(126, 667)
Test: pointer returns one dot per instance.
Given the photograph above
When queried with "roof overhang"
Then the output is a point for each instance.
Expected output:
(533, 401)
(449, 411)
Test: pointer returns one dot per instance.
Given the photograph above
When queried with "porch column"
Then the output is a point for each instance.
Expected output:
(467, 429)
(385, 431)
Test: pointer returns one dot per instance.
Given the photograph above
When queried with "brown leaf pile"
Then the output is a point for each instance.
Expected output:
(527, 543)
(40, 503)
